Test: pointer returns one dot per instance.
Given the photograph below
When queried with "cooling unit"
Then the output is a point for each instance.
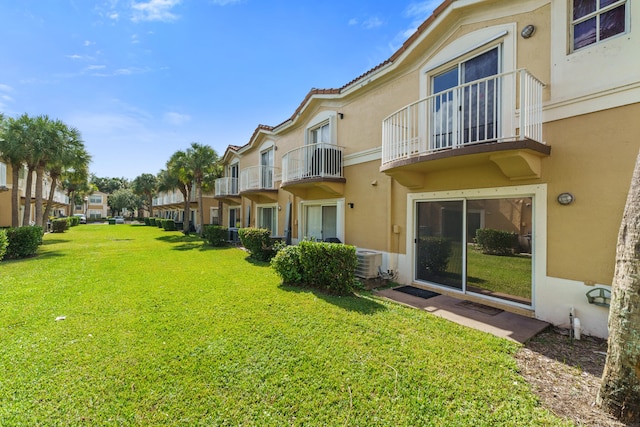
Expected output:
(368, 263)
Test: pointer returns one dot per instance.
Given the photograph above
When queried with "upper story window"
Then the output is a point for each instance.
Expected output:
(3, 175)
(321, 133)
(597, 20)
(95, 200)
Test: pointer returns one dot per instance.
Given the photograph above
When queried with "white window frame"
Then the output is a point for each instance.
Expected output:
(321, 119)
(93, 198)
(3, 174)
(273, 227)
(340, 214)
(596, 14)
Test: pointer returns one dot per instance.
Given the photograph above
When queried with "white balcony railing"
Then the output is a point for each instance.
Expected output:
(226, 187)
(258, 178)
(504, 107)
(322, 160)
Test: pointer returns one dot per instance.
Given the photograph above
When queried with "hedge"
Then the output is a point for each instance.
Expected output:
(23, 241)
(59, 225)
(169, 225)
(152, 221)
(326, 266)
(258, 242)
(496, 242)
(434, 254)
(216, 235)
(4, 242)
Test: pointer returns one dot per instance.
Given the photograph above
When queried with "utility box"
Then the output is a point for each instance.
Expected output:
(368, 264)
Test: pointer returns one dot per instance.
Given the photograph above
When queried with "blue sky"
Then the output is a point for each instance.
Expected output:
(142, 79)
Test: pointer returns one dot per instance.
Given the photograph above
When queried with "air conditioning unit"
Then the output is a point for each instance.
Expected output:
(368, 263)
(233, 235)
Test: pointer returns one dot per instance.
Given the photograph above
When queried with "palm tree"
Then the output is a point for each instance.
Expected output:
(179, 174)
(146, 185)
(51, 142)
(13, 150)
(202, 162)
(71, 156)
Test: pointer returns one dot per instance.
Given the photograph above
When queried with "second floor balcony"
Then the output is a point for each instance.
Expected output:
(314, 166)
(259, 182)
(228, 189)
(497, 114)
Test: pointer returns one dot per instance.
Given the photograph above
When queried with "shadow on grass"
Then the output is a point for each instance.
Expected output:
(47, 242)
(353, 302)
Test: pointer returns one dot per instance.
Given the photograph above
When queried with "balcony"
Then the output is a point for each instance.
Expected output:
(227, 190)
(314, 167)
(258, 183)
(497, 119)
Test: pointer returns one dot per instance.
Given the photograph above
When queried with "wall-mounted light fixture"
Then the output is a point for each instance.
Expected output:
(350, 205)
(279, 207)
(341, 115)
(527, 31)
(565, 198)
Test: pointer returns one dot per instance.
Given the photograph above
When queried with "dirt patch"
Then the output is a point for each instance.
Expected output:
(566, 376)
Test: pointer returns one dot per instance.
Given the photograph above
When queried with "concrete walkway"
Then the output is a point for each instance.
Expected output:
(477, 316)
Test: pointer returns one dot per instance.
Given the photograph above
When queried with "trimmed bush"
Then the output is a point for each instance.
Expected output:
(434, 254)
(23, 241)
(147, 221)
(59, 225)
(160, 222)
(287, 264)
(169, 225)
(328, 266)
(216, 235)
(73, 221)
(257, 241)
(496, 242)
(4, 242)
(152, 222)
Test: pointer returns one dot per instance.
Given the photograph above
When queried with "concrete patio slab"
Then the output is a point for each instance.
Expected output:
(477, 316)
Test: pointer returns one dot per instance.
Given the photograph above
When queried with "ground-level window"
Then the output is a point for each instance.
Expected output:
(3, 174)
(477, 246)
(95, 214)
(234, 217)
(320, 221)
(267, 218)
(214, 217)
(596, 20)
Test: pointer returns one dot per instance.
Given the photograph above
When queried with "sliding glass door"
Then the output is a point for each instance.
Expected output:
(477, 246)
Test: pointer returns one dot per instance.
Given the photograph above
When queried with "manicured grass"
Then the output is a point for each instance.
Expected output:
(161, 330)
(505, 274)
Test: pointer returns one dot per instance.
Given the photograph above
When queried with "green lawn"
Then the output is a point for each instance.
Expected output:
(161, 330)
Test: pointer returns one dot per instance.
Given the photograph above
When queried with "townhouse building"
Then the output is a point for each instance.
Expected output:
(517, 116)
(170, 205)
(60, 205)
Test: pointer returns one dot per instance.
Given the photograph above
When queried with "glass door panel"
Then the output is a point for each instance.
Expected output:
(329, 222)
(314, 222)
(439, 256)
(499, 250)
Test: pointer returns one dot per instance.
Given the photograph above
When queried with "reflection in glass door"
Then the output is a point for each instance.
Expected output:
(492, 257)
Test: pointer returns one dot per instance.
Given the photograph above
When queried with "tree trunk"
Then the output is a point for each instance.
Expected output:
(39, 178)
(200, 207)
(52, 192)
(187, 213)
(619, 392)
(15, 195)
(150, 201)
(27, 197)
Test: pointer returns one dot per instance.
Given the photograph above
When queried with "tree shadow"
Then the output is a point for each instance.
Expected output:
(47, 242)
(354, 302)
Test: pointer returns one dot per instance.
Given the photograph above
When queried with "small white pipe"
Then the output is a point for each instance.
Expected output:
(576, 328)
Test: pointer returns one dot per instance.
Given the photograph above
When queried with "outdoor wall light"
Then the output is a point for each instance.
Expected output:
(565, 198)
(341, 115)
(350, 205)
(528, 31)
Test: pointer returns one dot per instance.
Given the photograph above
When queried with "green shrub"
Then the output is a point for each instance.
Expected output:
(434, 253)
(59, 225)
(328, 266)
(73, 221)
(147, 221)
(4, 242)
(216, 235)
(287, 264)
(169, 225)
(160, 222)
(496, 242)
(23, 241)
(152, 222)
(257, 241)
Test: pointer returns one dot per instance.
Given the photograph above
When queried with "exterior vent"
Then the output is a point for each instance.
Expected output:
(368, 263)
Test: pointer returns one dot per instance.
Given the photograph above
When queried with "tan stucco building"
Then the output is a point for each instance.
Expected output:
(487, 117)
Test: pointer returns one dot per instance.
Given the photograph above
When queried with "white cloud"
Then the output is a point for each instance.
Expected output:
(353, 21)
(87, 43)
(135, 39)
(419, 12)
(176, 118)
(154, 10)
(77, 57)
(95, 67)
(5, 88)
(373, 22)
